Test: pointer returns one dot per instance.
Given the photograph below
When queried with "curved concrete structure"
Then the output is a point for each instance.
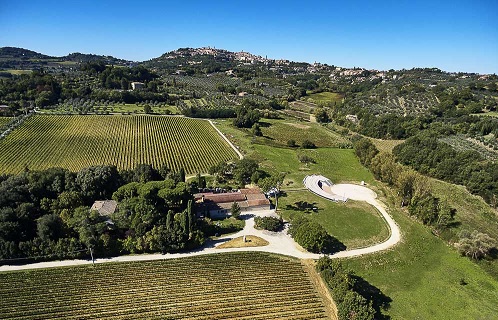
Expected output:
(360, 193)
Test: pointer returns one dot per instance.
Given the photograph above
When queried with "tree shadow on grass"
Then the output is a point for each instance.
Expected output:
(301, 206)
(379, 300)
(333, 245)
(264, 124)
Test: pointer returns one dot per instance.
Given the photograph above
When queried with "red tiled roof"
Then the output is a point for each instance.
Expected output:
(250, 191)
(258, 202)
(255, 196)
(224, 197)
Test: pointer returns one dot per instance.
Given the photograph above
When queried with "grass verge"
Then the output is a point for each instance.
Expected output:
(251, 241)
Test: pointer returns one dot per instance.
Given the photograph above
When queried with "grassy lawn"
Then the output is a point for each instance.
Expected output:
(356, 224)
(240, 138)
(325, 97)
(251, 241)
(339, 165)
(423, 275)
(472, 212)
(279, 132)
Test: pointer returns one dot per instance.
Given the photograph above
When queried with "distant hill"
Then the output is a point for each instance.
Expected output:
(20, 53)
(209, 60)
(12, 58)
(86, 57)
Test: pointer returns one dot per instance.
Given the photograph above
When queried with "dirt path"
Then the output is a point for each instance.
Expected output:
(226, 139)
(321, 288)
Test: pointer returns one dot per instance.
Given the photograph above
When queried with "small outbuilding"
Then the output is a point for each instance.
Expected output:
(104, 207)
(137, 85)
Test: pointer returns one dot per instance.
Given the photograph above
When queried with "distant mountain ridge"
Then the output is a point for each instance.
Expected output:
(13, 53)
(12, 57)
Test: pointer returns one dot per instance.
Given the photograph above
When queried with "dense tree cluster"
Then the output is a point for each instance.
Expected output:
(38, 87)
(412, 187)
(246, 117)
(241, 171)
(312, 236)
(426, 154)
(213, 113)
(269, 223)
(46, 214)
(355, 298)
(121, 77)
(42, 89)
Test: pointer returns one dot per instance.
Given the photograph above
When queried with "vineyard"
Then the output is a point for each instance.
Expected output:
(221, 286)
(75, 142)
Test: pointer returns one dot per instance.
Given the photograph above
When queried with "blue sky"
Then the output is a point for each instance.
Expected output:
(454, 35)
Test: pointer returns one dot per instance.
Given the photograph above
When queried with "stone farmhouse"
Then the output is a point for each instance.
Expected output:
(218, 205)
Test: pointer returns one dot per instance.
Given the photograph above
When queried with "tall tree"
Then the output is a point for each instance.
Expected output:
(235, 210)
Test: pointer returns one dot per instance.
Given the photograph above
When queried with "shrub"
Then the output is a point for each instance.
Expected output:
(310, 235)
(308, 145)
(269, 223)
(305, 159)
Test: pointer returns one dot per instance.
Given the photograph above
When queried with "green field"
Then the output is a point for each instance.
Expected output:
(385, 145)
(75, 142)
(128, 108)
(18, 72)
(472, 214)
(339, 165)
(279, 132)
(355, 224)
(427, 279)
(219, 286)
(324, 97)
(131, 107)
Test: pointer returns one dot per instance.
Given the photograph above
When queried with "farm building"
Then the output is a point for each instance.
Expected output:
(104, 207)
(137, 85)
(4, 109)
(218, 205)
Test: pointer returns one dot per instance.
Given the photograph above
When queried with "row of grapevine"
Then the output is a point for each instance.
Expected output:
(224, 286)
(75, 142)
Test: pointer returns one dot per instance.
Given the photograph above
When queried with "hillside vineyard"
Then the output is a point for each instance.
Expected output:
(75, 142)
